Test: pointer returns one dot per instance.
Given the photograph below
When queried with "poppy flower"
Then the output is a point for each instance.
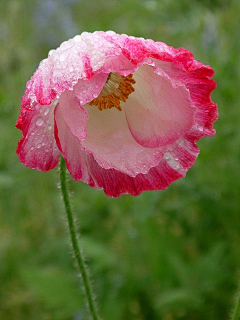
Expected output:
(124, 112)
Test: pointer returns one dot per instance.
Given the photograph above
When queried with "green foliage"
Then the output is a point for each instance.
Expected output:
(56, 289)
(169, 255)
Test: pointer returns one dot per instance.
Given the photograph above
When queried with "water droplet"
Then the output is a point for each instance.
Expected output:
(46, 150)
(176, 166)
(38, 145)
(46, 111)
(43, 144)
(166, 157)
(49, 127)
(39, 121)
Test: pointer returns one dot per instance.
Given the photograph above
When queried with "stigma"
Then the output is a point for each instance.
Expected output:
(116, 89)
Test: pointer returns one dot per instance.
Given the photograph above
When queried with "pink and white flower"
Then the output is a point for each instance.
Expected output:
(124, 112)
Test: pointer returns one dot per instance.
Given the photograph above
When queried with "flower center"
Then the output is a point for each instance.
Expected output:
(117, 88)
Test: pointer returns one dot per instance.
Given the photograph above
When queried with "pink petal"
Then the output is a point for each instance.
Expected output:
(113, 146)
(77, 58)
(158, 113)
(200, 85)
(75, 116)
(37, 149)
(84, 167)
(70, 148)
(116, 183)
(173, 166)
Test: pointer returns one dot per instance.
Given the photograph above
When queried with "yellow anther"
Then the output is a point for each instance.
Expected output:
(117, 88)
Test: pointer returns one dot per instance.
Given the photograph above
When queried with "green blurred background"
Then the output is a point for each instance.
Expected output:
(165, 255)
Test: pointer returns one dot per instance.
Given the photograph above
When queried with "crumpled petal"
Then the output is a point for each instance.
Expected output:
(37, 149)
(113, 146)
(69, 146)
(157, 112)
(75, 116)
(116, 183)
(200, 85)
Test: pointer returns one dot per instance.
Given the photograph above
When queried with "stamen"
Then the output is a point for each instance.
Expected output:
(117, 88)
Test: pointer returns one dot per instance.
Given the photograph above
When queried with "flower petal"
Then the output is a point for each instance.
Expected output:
(116, 183)
(158, 113)
(69, 146)
(78, 58)
(200, 85)
(75, 116)
(37, 149)
(84, 167)
(173, 166)
(113, 146)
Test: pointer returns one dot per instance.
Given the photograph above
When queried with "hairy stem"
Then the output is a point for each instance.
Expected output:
(236, 313)
(75, 244)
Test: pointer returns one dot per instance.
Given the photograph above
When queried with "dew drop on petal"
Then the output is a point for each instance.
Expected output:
(38, 145)
(176, 166)
(46, 111)
(39, 121)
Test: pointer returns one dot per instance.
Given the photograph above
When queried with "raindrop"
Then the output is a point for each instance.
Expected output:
(49, 127)
(46, 111)
(39, 121)
(38, 145)
(200, 128)
(176, 166)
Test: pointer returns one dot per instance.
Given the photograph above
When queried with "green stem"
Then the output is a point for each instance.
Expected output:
(77, 250)
(236, 313)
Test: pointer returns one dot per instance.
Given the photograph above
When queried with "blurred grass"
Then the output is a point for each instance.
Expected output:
(163, 255)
